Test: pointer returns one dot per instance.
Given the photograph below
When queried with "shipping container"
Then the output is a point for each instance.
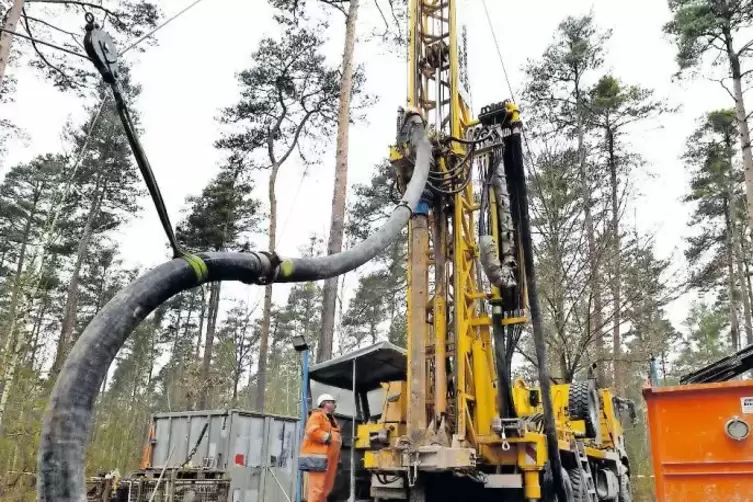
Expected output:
(701, 446)
(256, 452)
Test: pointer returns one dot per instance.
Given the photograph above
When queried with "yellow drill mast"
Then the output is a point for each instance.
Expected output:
(459, 413)
(447, 315)
(451, 379)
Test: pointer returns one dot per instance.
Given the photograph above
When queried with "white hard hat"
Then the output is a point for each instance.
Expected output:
(322, 398)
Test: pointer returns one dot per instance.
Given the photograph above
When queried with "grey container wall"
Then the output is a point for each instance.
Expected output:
(257, 452)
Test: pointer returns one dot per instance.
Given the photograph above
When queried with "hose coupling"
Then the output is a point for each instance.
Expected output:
(271, 273)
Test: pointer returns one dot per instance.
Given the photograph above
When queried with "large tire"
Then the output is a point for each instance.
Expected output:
(583, 404)
(580, 492)
(548, 491)
(626, 494)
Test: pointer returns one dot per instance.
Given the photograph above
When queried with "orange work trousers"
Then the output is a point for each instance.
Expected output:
(320, 484)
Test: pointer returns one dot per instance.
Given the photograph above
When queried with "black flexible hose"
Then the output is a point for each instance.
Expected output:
(504, 389)
(514, 150)
(68, 418)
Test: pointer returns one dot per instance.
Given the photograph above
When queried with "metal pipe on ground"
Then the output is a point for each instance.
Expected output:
(68, 418)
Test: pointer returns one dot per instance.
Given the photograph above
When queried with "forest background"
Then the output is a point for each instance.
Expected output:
(642, 230)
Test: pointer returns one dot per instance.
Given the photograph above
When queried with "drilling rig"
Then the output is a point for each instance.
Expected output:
(458, 426)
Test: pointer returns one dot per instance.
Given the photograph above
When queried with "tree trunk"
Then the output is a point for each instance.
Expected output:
(17, 282)
(748, 326)
(156, 324)
(746, 263)
(214, 304)
(261, 382)
(616, 279)
(36, 329)
(6, 39)
(71, 302)
(742, 122)
(13, 343)
(733, 320)
(202, 315)
(339, 194)
(595, 324)
(236, 379)
(10, 374)
(734, 241)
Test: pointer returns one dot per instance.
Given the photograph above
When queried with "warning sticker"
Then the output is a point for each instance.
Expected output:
(746, 403)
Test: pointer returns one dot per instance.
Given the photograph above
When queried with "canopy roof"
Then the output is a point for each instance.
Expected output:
(382, 362)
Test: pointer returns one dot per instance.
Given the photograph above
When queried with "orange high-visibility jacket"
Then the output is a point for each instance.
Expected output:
(316, 441)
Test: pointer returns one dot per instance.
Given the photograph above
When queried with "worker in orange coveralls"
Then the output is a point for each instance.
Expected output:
(320, 450)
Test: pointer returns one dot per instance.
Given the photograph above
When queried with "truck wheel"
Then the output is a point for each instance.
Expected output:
(625, 494)
(580, 493)
(583, 404)
(548, 491)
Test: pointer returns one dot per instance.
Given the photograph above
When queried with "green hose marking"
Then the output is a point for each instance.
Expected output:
(286, 267)
(198, 266)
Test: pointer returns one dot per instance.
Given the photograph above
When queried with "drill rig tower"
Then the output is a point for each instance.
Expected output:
(458, 426)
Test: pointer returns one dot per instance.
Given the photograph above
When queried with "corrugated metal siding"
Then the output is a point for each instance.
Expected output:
(257, 451)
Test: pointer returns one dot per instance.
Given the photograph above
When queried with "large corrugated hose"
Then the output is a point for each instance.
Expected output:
(68, 418)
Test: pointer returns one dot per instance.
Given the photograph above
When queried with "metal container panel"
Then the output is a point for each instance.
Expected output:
(258, 452)
(693, 458)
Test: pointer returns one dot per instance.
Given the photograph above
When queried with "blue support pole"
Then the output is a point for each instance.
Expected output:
(304, 417)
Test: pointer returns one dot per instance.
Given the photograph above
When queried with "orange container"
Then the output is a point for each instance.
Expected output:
(694, 457)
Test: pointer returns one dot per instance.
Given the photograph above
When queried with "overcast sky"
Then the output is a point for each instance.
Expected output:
(190, 75)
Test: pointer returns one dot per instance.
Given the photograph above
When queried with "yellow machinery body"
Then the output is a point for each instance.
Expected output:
(445, 416)
(516, 462)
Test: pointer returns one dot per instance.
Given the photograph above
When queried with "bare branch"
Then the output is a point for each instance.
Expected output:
(724, 86)
(42, 56)
(74, 36)
(392, 11)
(386, 24)
(296, 135)
(745, 48)
(76, 2)
(337, 4)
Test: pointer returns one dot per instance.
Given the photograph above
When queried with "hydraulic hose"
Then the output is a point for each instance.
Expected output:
(514, 157)
(68, 418)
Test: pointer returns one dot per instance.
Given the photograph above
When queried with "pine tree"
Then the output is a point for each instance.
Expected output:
(718, 30)
(109, 186)
(649, 286)
(182, 326)
(557, 217)
(237, 342)
(557, 95)
(288, 100)
(613, 107)
(716, 188)
(366, 311)
(350, 81)
(706, 340)
(27, 201)
(220, 219)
